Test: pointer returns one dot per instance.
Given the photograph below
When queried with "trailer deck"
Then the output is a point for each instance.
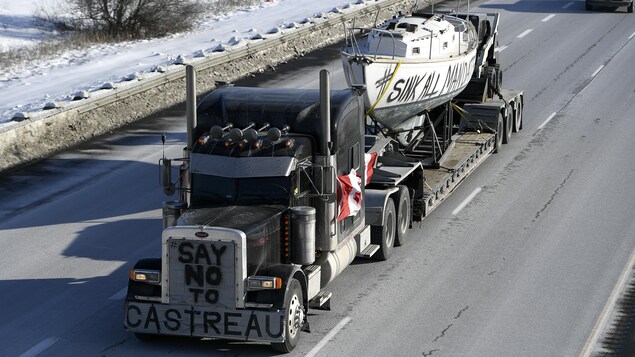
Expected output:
(470, 150)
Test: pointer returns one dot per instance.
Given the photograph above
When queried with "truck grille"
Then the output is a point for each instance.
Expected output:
(201, 272)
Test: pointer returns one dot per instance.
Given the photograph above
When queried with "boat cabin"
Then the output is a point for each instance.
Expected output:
(420, 37)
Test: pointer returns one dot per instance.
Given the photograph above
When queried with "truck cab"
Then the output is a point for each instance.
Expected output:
(253, 238)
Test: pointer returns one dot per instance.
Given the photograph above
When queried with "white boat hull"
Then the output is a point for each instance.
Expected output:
(396, 91)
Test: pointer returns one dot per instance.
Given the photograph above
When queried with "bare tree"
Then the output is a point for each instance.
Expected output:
(138, 18)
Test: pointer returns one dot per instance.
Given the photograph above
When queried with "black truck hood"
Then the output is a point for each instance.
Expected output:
(248, 219)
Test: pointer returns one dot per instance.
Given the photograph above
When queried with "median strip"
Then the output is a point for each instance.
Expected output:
(548, 18)
(597, 71)
(328, 337)
(466, 201)
(547, 121)
(525, 33)
(603, 320)
(40, 347)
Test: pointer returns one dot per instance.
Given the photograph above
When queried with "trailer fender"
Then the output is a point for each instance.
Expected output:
(376, 204)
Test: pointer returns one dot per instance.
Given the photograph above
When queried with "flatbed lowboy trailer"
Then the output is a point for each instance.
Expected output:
(280, 189)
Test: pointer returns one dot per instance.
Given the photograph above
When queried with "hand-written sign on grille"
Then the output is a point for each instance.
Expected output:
(202, 273)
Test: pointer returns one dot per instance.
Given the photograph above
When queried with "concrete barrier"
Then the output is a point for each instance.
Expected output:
(53, 131)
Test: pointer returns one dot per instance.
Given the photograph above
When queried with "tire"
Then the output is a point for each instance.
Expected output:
(589, 7)
(294, 318)
(384, 235)
(404, 214)
(518, 117)
(630, 8)
(498, 142)
(507, 137)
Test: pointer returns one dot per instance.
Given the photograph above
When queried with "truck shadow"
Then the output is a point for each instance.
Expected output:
(63, 313)
(79, 191)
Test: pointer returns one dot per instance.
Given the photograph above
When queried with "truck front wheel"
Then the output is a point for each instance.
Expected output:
(294, 318)
(384, 235)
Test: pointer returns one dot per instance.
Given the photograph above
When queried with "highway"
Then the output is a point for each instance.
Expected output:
(525, 268)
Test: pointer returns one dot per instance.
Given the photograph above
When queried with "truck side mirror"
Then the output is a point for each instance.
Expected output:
(166, 177)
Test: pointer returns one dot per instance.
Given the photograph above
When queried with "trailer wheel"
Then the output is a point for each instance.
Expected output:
(404, 214)
(499, 134)
(384, 235)
(294, 318)
(518, 117)
(508, 127)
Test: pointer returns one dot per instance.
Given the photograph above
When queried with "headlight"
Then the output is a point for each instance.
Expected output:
(263, 282)
(145, 276)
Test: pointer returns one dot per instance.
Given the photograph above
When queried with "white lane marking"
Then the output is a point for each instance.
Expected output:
(547, 121)
(120, 294)
(551, 16)
(631, 36)
(597, 71)
(40, 347)
(525, 33)
(567, 5)
(501, 48)
(328, 337)
(467, 200)
(600, 325)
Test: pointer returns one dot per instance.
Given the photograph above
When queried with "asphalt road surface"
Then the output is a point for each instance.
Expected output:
(525, 268)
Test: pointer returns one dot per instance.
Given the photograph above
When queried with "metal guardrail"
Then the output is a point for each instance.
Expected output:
(247, 50)
(30, 140)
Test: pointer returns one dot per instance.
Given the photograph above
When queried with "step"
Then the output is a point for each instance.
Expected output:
(369, 251)
(321, 301)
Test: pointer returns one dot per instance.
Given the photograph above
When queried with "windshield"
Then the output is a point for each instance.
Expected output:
(208, 189)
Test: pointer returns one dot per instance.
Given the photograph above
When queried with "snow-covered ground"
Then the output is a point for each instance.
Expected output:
(31, 86)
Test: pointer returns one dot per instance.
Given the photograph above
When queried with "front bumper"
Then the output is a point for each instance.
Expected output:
(194, 321)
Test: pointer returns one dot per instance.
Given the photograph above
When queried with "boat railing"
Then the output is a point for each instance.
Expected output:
(353, 43)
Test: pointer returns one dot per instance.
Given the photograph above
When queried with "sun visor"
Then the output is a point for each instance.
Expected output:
(238, 167)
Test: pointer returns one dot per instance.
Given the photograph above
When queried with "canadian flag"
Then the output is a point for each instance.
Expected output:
(349, 195)
(349, 191)
(370, 160)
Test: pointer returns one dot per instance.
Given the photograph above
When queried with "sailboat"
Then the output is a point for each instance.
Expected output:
(410, 64)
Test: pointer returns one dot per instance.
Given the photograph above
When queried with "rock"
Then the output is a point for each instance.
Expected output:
(51, 105)
(20, 116)
(81, 94)
(180, 59)
(107, 85)
(132, 77)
